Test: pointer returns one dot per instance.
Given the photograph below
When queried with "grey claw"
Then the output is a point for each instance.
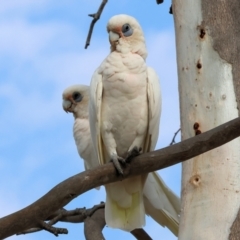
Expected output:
(133, 153)
(116, 162)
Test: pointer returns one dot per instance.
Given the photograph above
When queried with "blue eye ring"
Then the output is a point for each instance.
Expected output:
(77, 97)
(127, 30)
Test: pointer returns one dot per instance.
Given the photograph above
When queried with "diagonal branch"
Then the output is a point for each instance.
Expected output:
(69, 189)
(96, 16)
(174, 136)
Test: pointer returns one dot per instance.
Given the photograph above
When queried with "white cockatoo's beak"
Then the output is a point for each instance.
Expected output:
(113, 37)
(66, 105)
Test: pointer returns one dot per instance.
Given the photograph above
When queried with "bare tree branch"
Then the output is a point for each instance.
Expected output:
(96, 16)
(74, 216)
(174, 136)
(93, 218)
(69, 189)
(94, 225)
(45, 226)
(52, 229)
(159, 1)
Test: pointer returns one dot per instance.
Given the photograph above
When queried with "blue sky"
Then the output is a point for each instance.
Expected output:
(41, 53)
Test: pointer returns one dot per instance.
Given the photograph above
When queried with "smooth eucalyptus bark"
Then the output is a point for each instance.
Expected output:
(208, 72)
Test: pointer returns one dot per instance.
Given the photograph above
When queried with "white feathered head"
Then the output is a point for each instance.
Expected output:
(75, 100)
(126, 35)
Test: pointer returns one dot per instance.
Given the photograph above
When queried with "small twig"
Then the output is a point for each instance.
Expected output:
(170, 10)
(96, 16)
(52, 229)
(95, 208)
(74, 216)
(174, 136)
(45, 226)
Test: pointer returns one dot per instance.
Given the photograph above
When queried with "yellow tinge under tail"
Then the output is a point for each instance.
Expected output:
(124, 204)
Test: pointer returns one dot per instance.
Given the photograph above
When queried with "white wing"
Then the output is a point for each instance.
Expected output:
(96, 91)
(154, 110)
(161, 203)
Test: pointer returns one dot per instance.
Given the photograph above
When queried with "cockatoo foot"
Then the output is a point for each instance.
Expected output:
(116, 160)
(133, 153)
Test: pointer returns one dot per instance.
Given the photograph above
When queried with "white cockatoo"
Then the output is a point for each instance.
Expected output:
(124, 113)
(75, 100)
(159, 201)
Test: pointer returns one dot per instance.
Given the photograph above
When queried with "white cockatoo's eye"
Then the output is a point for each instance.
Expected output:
(127, 30)
(77, 96)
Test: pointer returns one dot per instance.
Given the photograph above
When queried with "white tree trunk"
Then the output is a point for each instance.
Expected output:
(211, 181)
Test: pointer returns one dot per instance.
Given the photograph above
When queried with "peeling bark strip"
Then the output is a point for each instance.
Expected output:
(222, 20)
(208, 46)
(67, 190)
